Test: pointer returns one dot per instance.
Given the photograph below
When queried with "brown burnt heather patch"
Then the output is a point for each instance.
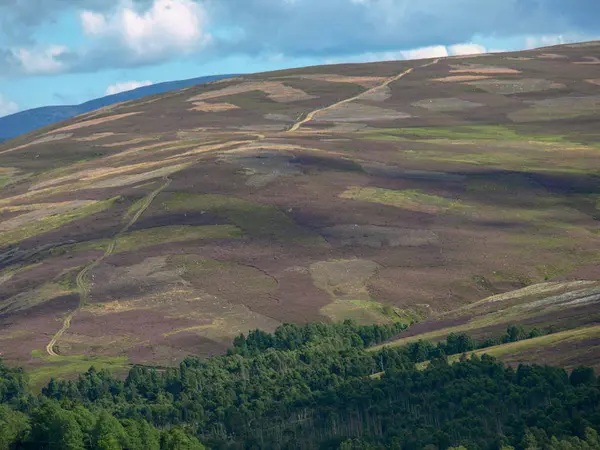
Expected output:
(94, 137)
(552, 56)
(588, 60)
(42, 140)
(93, 122)
(483, 70)
(212, 107)
(137, 140)
(367, 82)
(459, 78)
(35, 212)
(276, 91)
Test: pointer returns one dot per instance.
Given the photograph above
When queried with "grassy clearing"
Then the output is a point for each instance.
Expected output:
(136, 240)
(256, 220)
(67, 366)
(366, 312)
(50, 223)
(346, 283)
(412, 199)
(344, 278)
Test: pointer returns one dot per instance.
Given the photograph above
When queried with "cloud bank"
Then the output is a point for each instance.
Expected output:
(129, 33)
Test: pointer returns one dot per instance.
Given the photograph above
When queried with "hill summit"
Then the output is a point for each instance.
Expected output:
(386, 192)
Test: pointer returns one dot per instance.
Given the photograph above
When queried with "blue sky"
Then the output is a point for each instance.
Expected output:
(70, 51)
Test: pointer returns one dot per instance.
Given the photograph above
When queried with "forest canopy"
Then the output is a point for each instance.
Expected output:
(312, 387)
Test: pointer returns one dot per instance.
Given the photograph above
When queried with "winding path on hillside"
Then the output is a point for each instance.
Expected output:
(311, 115)
(81, 280)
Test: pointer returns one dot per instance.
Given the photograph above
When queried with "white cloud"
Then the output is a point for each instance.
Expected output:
(167, 27)
(93, 23)
(466, 49)
(40, 61)
(7, 107)
(437, 51)
(124, 86)
(532, 42)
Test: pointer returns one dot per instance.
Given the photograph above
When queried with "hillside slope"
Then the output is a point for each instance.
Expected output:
(397, 191)
(25, 121)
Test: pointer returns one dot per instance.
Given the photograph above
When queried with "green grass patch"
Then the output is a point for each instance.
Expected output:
(472, 132)
(411, 199)
(138, 239)
(175, 233)
(363, 312)
(50, 223)
(256, 220)
(68, 366)
(37, 353)
(11, 175)
(551, 271)
(67, 279)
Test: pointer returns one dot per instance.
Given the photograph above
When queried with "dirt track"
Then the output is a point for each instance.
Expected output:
(311, 115)
(82, 286)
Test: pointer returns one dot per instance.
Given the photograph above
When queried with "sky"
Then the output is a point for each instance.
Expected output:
(55, 52)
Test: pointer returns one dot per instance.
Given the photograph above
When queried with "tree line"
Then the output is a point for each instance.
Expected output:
(312, 387)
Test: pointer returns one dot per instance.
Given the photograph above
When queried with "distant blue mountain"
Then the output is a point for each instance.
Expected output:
(32, 119)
